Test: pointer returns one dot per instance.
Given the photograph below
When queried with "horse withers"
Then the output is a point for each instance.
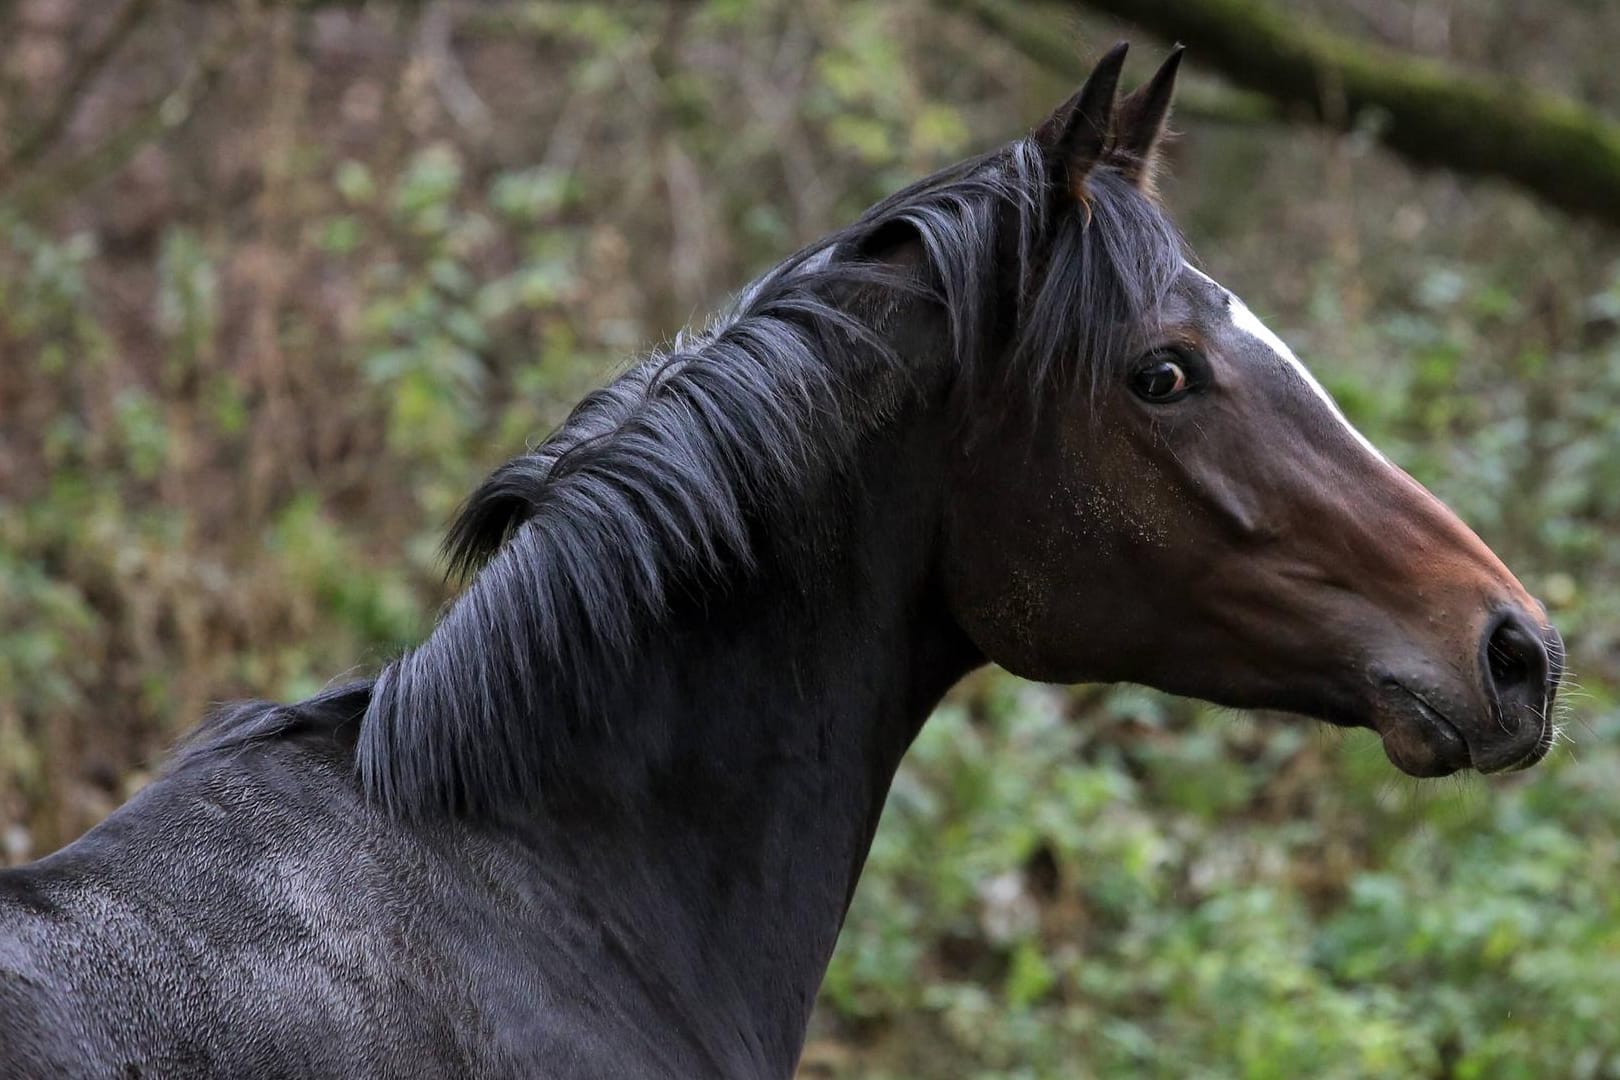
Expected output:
(607, 818)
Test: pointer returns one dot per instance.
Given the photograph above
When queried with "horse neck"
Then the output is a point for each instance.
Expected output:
(778, 717)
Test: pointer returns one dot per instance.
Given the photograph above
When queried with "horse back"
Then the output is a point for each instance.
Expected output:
(244, 917)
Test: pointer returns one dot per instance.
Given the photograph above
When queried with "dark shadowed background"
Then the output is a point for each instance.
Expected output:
(280, 281)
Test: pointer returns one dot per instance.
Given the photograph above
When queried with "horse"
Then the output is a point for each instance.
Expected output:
(606, 819)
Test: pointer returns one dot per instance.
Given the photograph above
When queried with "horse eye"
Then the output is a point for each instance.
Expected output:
(1160, 381)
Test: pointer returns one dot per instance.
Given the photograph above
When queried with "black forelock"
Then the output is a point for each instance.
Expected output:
(660, 479)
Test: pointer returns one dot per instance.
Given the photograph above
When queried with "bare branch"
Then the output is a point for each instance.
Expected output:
(460, 100)
(26, 195)
(37, 141)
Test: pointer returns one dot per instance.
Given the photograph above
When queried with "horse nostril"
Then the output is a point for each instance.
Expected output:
(1516, 662)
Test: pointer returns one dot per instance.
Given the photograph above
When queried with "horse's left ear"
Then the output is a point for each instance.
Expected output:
(1141, 120)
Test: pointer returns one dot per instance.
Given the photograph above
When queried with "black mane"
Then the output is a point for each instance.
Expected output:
(664, 478)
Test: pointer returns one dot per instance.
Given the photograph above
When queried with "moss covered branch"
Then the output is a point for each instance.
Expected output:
(1431, 114)
(1041, 33)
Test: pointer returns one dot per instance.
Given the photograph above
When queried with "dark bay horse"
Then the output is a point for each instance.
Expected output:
(607, 819)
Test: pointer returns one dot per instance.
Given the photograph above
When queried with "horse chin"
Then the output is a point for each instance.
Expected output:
(1418, 739)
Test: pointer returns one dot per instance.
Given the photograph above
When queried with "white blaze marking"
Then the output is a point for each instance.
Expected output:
(1248, 322)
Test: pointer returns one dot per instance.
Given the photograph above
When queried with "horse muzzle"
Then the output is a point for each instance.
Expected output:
(1500, 724)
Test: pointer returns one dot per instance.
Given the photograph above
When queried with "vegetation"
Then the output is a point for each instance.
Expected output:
(270, 304)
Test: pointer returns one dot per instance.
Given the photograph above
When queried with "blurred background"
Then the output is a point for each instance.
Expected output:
(280, 281)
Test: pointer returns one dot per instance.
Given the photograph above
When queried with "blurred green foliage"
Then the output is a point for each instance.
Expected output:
(247, 373)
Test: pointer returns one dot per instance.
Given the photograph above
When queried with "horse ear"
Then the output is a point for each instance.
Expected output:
(1142, 117)
(1075, 138)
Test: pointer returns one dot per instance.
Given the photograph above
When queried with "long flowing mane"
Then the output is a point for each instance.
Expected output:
(664, 479)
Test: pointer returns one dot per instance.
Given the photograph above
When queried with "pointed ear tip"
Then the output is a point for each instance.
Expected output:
(1165, 77)
(1115, 54)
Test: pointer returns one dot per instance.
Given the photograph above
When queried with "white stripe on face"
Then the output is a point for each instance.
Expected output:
(1249, 323)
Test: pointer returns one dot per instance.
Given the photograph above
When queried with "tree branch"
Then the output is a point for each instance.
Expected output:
(37, 141)
(1558, 149)
(1033, 31)
(26, 194)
